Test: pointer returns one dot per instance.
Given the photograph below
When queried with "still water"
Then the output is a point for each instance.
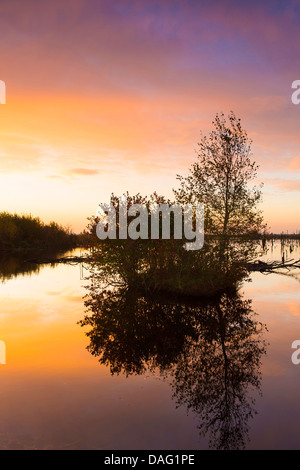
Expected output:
(172, 376)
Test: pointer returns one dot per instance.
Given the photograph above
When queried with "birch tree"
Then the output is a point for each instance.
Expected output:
(221, 179)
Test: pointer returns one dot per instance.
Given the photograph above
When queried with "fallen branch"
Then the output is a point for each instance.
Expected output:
(258, 265)
(64, 260)
(263, 266)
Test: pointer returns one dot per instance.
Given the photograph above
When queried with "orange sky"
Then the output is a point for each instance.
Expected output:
(107, 97)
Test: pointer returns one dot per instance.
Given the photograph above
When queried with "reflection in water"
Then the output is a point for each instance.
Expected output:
(131, 333)
(47, 364)
(217, 373)
(14, 265)
(211, 351)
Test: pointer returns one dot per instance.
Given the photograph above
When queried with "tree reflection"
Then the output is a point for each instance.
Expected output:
(131, 333)
(211, 351)
(217, 375)
(14, 265)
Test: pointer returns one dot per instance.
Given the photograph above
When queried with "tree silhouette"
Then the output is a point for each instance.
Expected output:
(221, 177)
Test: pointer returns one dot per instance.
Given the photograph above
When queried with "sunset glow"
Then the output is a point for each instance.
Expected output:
(106, 97)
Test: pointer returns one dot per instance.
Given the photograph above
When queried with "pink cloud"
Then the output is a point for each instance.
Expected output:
(294, 163)
(137, 81)
(283, 184)
(83, 171)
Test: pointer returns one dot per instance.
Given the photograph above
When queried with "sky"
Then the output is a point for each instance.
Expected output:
(112, 96)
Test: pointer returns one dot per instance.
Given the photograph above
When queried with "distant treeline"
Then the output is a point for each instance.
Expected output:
(19, 232)
(283, 236)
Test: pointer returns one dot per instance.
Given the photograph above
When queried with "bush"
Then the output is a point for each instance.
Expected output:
(25, 232)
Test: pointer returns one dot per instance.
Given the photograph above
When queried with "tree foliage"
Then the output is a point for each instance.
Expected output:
(26, 232)
(220, 178)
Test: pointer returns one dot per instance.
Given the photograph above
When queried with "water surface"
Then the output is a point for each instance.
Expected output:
(164, 376)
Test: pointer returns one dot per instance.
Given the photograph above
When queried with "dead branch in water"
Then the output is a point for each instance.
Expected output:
(258, 265)
(268, 267)
(63, 260)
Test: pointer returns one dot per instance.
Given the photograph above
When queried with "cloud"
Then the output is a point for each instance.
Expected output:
(122, 89)
(283, 184)
(83, 171)
(59, 177)
(294, 163)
